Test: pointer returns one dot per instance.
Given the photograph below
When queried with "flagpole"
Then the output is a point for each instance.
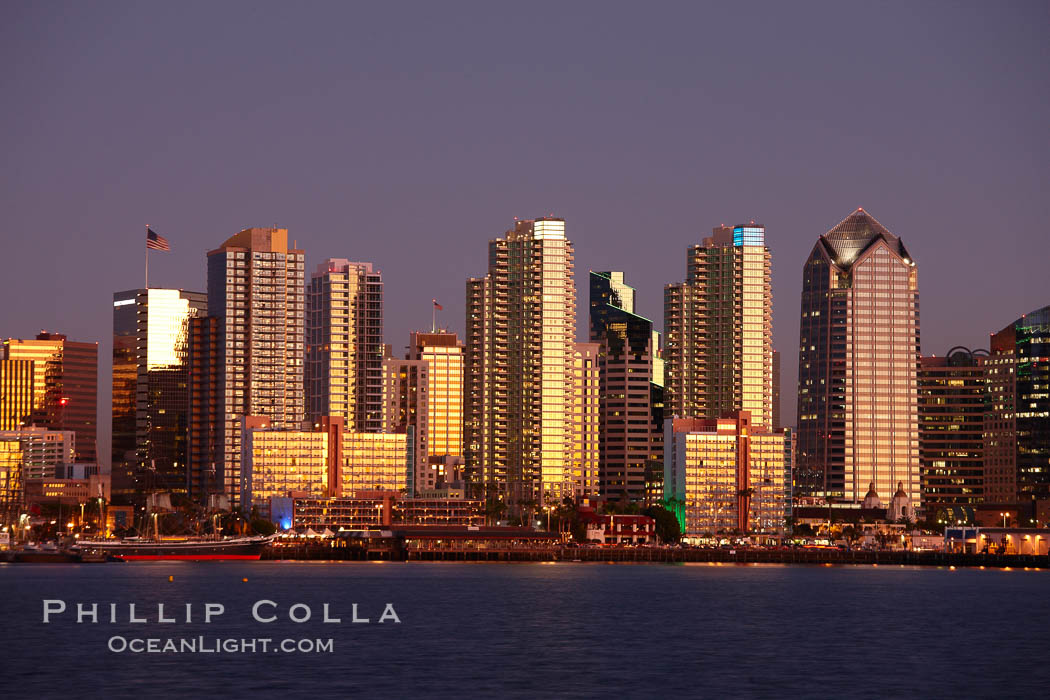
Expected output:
(147, 256)
(433, 316)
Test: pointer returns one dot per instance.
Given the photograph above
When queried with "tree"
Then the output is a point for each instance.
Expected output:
(262, 526)
(526, 508)
(621, 506)
(667, 527)
(495, 509)
(932, 523)
(566, 518)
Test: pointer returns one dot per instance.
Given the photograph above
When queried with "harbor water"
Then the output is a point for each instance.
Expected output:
(454, 630)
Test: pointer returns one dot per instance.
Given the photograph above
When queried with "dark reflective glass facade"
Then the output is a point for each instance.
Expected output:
(631, 402)
(1020, 357)
(150, 389)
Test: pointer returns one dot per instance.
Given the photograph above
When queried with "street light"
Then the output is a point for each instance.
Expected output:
(1004, 516)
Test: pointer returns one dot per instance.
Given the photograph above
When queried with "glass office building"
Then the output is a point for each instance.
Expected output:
(952, 397)
(277, 462)
(324, 462)
(65, 386)
(425, 392)
(1017, 427)
(150, 399)
(375, 461)
(18, 397)
(858, 417)
(406, 397)
(631, 403)
(443, 353)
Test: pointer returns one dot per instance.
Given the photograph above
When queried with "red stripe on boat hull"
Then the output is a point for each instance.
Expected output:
(184, 557)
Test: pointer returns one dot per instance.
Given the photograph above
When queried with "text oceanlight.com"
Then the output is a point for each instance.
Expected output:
(215, 645)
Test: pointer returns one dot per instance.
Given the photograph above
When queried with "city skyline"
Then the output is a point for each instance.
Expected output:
(468, 320)
(455, 325)
(398, 156)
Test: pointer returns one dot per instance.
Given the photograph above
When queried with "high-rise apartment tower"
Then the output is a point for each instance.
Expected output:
(252, 351)
(344, 347)
(718, 329)
(521, 327)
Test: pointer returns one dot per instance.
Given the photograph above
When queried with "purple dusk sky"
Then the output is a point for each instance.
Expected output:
(409, 134)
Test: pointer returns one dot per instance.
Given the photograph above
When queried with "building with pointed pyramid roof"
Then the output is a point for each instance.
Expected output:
(854, 235)
(858, 362)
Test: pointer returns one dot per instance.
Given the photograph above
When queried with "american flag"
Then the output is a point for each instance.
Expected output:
(155, 242)
(438, 306)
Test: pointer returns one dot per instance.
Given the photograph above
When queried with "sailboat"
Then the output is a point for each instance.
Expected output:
(154, 548)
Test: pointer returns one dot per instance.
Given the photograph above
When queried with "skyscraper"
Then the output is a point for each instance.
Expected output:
(17, 393)
(65, 386)
(443, 353)
(718, 329)
(255, 293)
(585, 453)
(1017, 425)
(150, 388)
(425, 391)
(631, 415)
(858, 360)
(776, 390)
(406, 398)
(344, 327)
(521, 327)
(206, 404)
(952, 396)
